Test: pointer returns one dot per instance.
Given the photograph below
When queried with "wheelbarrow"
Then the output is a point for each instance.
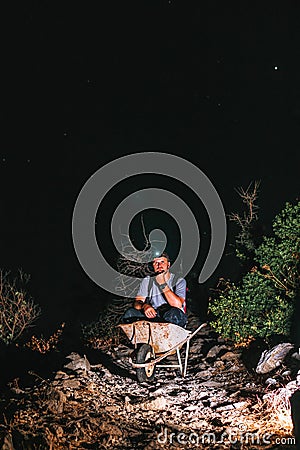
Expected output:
(154, 341)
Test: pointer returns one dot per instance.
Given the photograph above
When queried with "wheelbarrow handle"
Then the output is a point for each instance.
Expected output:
(198, 329)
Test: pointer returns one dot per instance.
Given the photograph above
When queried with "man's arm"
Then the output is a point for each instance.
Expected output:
(140, 299)
(173, 299)
(142, 294)
(148, 310)
(139, 302)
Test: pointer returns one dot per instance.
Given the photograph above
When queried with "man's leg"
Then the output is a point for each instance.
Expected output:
(132, 313)
(176, 316)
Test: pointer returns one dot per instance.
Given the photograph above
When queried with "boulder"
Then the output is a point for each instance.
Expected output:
(271, 359)
(77, 363)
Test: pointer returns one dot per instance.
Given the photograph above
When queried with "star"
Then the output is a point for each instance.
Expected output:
(275, 67)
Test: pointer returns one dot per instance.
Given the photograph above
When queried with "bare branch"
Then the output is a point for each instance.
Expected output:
(17, 312)
(132, 263)
(248, 197)
(246, 220)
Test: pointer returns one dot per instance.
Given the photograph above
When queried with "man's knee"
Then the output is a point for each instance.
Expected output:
(176, 316)
(132, 312)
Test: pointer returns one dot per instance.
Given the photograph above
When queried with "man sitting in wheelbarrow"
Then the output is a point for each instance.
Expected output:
(161, 297)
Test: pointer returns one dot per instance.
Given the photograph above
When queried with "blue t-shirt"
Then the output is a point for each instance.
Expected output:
(157, 298)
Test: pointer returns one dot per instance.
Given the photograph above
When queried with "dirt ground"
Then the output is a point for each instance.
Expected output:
(99, 404)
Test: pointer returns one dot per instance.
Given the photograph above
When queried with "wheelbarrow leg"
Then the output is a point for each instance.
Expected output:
(186, 358)
(179, 360)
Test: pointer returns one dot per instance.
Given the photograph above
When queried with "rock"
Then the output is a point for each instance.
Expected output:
(202, 395)
(73, 356)
(204, 374)
(72, 384)
(240, 405)
(200, 366)
(158, 392)
(214, 351)
(60, 375)
(56, 402)
(296, 355)
(191, 408)
(159, 403)
(235, 368)
(229, 356)
(77, 363)
(271, 359)
(91, 386)
(225, 408)
(291, 386)
(211, 384)
(197, 347)
(219, 364)
(271, 382)
(112, 408)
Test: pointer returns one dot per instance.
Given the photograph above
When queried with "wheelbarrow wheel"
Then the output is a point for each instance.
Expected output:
(144, 355)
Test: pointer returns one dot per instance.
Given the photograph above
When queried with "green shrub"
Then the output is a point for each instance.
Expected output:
(263, 303)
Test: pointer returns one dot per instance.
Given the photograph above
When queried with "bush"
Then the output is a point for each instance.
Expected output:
(103, 333)
(17, 310)
(43, 345)
(263, 303)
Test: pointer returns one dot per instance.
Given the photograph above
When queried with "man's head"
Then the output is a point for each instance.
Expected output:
(161, 263)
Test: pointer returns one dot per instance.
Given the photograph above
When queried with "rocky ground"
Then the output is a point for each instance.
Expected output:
(96, 403)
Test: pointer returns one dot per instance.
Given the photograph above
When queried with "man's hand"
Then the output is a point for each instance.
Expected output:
(149, 311)
(160, 278)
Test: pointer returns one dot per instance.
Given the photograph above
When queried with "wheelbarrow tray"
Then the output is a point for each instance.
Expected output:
(164, 339)
(162, 336)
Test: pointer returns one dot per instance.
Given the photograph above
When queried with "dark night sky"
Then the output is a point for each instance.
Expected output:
(215, 83)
